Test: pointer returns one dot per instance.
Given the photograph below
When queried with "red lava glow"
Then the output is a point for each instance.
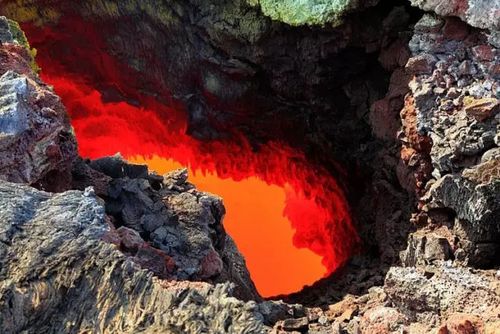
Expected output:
(288, 217)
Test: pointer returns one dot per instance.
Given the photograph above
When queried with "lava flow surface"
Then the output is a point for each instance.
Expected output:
(288, 217)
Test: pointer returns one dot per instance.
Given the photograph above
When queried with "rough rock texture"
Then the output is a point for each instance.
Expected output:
(36, 143)
(311, 12)
(82, 256)
(236, 70)
(233, 68)
(451, 124)
(172, 218)
(478, 13)
(57, 274)
(427, 296)
(449, 163)
(450, 156)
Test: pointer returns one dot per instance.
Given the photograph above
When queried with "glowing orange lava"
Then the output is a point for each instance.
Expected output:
(288, 217)
(255, 220)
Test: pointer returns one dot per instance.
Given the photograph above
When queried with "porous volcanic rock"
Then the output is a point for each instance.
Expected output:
(64, 262)
(478, 13)
(58, 274)
(450, 126)
(37, 146)
(311, 12)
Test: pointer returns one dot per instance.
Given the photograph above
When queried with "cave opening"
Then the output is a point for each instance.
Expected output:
(284, 159)
(288, 216)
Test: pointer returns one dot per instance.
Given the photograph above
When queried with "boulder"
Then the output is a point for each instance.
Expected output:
(71, 280)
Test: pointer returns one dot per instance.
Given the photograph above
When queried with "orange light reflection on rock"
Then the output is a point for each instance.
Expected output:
(255, 220)
(288, 216)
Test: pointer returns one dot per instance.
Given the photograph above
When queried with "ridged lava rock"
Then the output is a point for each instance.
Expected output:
(57, 274)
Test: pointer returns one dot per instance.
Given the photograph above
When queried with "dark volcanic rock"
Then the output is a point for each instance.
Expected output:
(233, 69)
(57, 274)
(478, 13)
(168, 217)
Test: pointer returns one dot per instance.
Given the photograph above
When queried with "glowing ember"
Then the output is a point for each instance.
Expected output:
(288, 217)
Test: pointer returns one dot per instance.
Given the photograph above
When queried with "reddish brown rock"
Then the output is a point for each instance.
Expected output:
(211, 265)
(455, 29)
(155, 260)
(416, 147)
(130, 240)
(483, 52)
(460, 323)
(421, 64)
(382, 320)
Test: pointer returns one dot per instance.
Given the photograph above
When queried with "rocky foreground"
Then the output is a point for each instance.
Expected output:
(114, 248)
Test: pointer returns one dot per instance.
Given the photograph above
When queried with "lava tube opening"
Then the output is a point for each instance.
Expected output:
(287, 215)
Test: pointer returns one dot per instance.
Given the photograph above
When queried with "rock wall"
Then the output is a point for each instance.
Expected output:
(36, 143)
(238, 73)
(165, 224)
(82, 255)
(451, 126)
(446, 164)
(59, 275)
(234, 69)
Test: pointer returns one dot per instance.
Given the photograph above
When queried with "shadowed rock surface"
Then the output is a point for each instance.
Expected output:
(478, 13)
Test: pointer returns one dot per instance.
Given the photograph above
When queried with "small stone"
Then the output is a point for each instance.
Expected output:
(483, 52)
(452, 93)
(481, 109)
(439, 90)
(437, 248)
(455, 29)
(211, 265)
(159, 234)
(421, 64)
(447, 105)
(155, 260)
(467, 68)
(299, 324)
(151, 222)
(461, 323)
(313, 314)
(429, 24)
(176, 177)
(130, 239)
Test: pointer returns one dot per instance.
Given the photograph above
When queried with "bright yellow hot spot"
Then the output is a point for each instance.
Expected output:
(255, 220)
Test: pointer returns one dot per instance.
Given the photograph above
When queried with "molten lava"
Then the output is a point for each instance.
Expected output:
(288, 216)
